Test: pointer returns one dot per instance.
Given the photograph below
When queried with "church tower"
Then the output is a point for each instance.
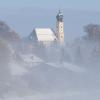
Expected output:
(60, 27)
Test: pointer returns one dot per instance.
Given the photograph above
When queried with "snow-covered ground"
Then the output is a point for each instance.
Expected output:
(68, 66)
(32, 77)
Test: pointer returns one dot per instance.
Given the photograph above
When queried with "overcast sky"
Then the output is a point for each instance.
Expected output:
(24, 15)
(69, 4)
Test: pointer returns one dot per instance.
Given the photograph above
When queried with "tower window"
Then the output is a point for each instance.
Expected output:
(61, 30)
(61, 36)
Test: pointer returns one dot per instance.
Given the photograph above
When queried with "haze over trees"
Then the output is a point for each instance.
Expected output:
(93, 31)
(72, 68)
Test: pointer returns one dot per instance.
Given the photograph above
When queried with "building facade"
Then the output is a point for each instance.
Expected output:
(48, 37)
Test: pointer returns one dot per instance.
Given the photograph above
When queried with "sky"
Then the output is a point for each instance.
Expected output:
(69, 4)
(25, 15)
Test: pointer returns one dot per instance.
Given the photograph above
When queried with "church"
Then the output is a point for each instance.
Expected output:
(46, 36)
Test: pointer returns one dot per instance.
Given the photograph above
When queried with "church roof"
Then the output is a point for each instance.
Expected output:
(45, 34)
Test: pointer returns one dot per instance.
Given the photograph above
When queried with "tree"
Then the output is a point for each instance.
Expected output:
(93, 31)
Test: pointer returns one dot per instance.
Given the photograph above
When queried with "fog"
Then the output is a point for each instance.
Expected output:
(28, 71)
(52, 76)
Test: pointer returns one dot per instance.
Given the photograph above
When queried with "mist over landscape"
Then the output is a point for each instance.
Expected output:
(29, 71)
